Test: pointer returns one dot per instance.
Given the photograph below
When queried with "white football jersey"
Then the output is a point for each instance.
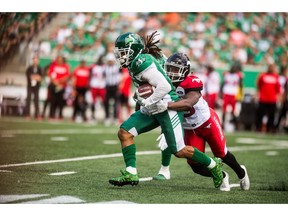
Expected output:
(97, 79)
(231, 83)
(200, 112)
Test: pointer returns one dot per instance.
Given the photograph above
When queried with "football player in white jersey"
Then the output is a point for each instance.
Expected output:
(201, 123)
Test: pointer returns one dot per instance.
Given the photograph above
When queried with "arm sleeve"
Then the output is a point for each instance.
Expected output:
(156, 79)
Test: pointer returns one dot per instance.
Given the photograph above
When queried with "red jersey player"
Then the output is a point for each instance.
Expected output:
(59, 75)
(201, 123)
(268, 91)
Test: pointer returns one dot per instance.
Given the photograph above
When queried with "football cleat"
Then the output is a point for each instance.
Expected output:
(225, 183)
(125, 179)
(245, 182)
(159, 177)
(217, 172)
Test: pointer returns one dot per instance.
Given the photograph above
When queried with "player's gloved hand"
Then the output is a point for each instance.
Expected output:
(149, 109)
(145, 111)
(162, 142)
(161, 106)
(140, 100)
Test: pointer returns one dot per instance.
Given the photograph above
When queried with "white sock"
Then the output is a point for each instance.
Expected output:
(131, 170)
(164, 170)
(212, 164)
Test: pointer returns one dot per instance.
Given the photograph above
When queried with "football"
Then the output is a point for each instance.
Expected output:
(145, 90)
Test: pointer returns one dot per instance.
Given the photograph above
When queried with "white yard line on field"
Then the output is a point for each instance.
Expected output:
(111, 142)
(59, 139)
(11, 198)
(146, 179)
(77, 159)
(8, 133)
(253, 141)
(60, 131)
(62, 173)
(56, 200)
(6, 171)
(95, 157)
(234, 185)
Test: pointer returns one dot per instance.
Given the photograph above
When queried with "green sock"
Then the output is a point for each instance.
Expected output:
(201, 158)
(129, 154)
(166, 157)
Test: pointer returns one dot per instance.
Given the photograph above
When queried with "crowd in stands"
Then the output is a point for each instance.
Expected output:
(19, 27)
(215, 38)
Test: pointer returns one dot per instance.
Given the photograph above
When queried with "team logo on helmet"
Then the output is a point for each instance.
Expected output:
(130, 39)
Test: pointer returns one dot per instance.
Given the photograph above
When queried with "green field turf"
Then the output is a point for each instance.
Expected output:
(30, 151)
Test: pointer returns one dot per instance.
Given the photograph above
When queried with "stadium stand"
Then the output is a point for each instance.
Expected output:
(252, 40)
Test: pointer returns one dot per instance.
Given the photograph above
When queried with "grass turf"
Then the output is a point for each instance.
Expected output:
(31, 141)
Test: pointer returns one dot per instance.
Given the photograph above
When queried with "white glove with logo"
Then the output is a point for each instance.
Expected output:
(162, 142)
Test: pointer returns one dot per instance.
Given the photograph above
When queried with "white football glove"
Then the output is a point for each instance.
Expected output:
(162, 142)
(145, 111)
(161, 106)
(154, 109)
(149, 109)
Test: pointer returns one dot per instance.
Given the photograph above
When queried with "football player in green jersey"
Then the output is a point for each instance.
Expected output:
(139, 56)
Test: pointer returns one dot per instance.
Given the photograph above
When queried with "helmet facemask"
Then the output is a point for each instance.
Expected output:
(123, 56)
(177, 73)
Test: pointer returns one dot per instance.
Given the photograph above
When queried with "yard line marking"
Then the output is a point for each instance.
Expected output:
(260, 141)
(5, 171)
(236, 148)
(146, 179)
(7, 135)
(64, 131)
(272, 153)
(56, 200)
(77, 159)
(110, 142)
(11, 198)
(59, 139)
(234, 185)
(115, 202)
(62, 173)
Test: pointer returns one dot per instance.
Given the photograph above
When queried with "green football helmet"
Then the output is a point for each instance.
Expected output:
(127, 47)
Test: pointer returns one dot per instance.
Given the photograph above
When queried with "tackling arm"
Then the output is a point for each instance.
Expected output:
(186, 103)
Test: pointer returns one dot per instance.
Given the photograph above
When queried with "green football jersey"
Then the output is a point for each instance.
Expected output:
(141, 63)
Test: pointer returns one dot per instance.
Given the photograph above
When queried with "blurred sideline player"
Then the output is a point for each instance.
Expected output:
(132, 52)
(231, 89)
(201, 123)
(125, 92)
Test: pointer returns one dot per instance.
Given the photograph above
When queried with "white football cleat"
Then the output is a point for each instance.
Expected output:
(245, 182)
(225, 183)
